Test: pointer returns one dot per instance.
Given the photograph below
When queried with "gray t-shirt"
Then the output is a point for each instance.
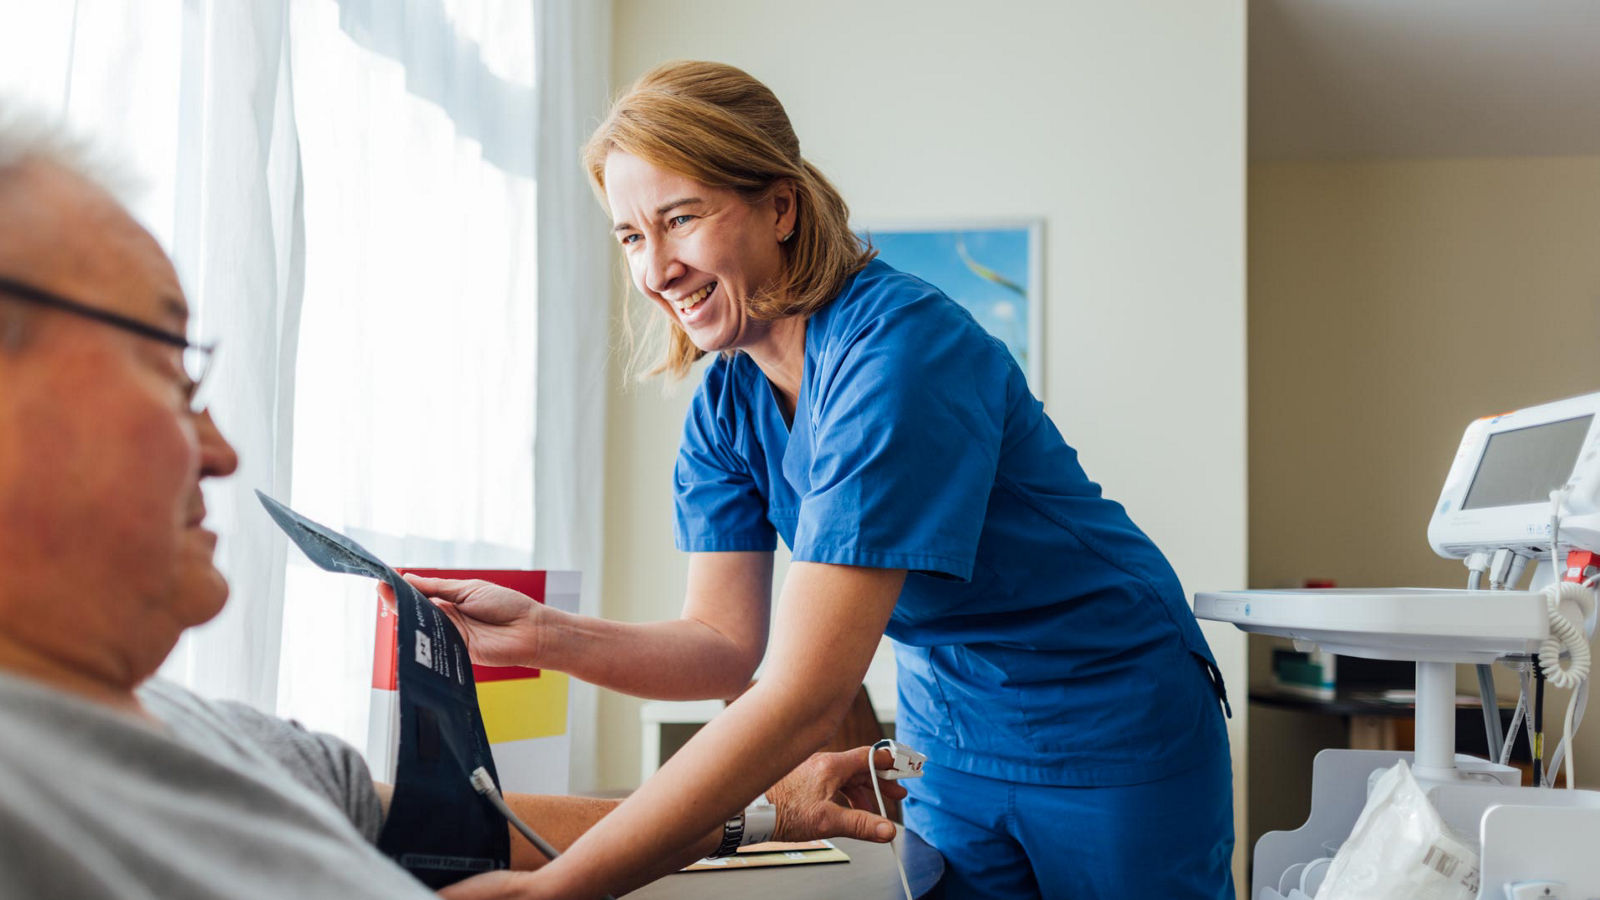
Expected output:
(222, 801)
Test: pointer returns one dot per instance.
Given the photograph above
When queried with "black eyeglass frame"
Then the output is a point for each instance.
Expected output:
(133, 326)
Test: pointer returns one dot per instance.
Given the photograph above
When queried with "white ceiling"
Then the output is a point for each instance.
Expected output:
(1383, 79)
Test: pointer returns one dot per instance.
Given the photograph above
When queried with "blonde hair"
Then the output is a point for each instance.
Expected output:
(717, 125)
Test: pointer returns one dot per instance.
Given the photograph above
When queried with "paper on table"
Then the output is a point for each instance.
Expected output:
(773, 853)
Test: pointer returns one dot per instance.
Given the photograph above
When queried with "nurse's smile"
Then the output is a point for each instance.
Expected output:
(689, 307)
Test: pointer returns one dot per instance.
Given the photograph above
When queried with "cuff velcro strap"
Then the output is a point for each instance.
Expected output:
(759, 824)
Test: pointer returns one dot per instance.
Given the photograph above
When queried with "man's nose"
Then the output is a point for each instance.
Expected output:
(218, 459)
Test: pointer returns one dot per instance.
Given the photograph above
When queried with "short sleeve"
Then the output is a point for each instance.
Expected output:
(718, 502)
(907, 421)
(321, 762)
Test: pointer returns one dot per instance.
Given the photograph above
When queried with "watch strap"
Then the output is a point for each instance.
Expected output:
(732, 835)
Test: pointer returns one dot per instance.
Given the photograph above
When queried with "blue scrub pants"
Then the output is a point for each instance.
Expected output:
(1170, 839)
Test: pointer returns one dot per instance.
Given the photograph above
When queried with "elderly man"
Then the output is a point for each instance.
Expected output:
(112, 784)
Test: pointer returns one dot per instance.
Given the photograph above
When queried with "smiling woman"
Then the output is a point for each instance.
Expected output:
(1048, 663)
(743, 143)
(707, 257)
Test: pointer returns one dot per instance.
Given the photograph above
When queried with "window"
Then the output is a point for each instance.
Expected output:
(415, 379)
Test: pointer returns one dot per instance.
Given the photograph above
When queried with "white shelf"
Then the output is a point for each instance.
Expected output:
(1421, 624)
(1525, 834)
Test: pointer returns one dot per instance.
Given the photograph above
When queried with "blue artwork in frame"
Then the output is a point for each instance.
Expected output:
(995, 270)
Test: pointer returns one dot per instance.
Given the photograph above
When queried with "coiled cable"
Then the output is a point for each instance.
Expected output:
(1565, 634)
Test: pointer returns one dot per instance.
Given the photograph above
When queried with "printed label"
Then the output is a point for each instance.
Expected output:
(424, 649)
(1441, 862)
(1450, 867)
(447, 863)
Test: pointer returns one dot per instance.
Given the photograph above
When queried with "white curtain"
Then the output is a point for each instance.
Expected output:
(194, 98)
(239, 238)
(415, 415)
(351, 189)
(574, 302)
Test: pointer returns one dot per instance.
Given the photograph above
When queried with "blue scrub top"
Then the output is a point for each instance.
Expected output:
(1040, 636)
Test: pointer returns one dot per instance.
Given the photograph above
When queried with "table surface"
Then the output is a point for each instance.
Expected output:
(869, 875)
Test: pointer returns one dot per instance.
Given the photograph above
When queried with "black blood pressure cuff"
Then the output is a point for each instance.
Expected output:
(438, 828)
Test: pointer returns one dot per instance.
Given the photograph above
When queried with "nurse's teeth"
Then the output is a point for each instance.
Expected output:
(688, 303)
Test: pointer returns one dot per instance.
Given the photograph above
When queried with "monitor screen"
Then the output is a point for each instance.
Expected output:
(1525, 465)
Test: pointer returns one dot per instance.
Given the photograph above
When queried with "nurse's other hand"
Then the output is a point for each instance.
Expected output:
(502, 627)
(808, 798)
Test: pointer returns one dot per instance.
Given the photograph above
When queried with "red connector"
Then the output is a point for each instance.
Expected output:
(1582, 565)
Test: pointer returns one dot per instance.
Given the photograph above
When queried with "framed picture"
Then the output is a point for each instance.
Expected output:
(993, 268)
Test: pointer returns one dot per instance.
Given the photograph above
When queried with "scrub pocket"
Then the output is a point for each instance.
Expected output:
(962, 698)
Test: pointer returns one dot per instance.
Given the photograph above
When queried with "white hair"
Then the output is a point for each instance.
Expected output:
(28, 138)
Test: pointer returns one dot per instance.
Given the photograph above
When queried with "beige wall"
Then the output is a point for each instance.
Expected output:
(1390, 304)
(1121, 124)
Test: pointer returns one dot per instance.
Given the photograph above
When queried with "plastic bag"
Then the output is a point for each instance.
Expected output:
(1401, 849)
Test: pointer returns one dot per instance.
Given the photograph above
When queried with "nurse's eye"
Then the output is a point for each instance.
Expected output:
(675, 221)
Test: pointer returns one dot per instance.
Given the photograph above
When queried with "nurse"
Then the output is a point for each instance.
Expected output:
(1049, 666)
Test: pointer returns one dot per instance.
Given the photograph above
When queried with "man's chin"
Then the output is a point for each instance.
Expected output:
(203, 594)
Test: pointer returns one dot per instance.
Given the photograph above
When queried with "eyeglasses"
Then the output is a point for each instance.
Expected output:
(196, 357)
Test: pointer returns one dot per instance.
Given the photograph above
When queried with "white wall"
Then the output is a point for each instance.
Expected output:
(1122, 125)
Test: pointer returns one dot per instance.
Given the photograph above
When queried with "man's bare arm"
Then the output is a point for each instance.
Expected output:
(559, 820)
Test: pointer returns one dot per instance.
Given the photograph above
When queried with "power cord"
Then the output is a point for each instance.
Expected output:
(1477, 563)
(483, 783)
(1516, 716)
(1536, 733)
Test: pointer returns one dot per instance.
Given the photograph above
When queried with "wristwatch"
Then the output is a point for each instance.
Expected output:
(752, 825)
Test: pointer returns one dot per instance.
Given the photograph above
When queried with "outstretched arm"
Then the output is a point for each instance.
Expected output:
(708, 653)
(829, 623)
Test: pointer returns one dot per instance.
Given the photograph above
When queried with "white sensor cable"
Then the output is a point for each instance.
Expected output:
(872, 766)
(1582, 701)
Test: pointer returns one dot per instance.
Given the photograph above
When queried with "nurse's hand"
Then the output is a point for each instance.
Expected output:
(809, 798)
(502, 627)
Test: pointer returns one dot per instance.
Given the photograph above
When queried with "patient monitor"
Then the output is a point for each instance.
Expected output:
(1524, 486)
(1497, 493)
